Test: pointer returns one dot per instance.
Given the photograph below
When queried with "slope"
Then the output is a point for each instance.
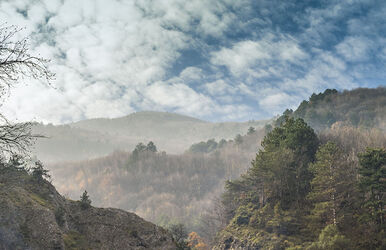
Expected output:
(360, 107)
(33, 215)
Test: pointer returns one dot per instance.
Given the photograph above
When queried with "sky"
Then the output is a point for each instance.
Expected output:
(220, 60)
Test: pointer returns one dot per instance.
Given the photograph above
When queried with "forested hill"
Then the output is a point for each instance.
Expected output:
(310, 189)
(360, 107)
(305, 191)
(94, 138)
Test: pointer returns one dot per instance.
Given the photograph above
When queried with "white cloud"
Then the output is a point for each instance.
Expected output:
(275, 102)
(355, 49)
(219, 87)
(114, 57)
(191, 74)
(179, 97)
(256, 57)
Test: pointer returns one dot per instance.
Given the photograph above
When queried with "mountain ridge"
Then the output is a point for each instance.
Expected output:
(173, 133)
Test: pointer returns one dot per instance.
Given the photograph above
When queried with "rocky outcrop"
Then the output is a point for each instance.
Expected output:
(33, 215)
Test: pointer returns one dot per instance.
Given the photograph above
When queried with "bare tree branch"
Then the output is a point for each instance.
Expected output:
(15, 63)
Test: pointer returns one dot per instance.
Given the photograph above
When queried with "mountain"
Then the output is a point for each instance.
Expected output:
(93, 138)
(33, 215)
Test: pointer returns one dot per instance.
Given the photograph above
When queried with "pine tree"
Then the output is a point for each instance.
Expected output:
(39, 172)
(151, 147)
(251, 130)
(85, 201)
(329, 185)
(372, 183)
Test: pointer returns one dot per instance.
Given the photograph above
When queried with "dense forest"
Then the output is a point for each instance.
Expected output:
(310, 192)
(314, 191)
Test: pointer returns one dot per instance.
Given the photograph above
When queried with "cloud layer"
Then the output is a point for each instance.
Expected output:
(216, 60)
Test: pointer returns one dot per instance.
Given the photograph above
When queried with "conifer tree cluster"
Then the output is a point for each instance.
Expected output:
(304, 194)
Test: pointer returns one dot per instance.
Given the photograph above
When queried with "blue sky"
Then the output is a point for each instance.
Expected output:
(215, 60)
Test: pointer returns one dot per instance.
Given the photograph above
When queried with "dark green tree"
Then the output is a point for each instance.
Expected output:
(180, 235)
(85, 201)
(222, 143)
(139, 148)
(151, 147)
(288, 150)
(372, 183)
(330, 239)
(39, 172)
(251, 130)
(331, 186)
(271, 196)
(238, 139)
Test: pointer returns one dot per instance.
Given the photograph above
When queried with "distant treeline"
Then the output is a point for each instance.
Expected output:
(360, 107)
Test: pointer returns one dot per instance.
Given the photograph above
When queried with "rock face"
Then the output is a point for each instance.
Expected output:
(33, 215)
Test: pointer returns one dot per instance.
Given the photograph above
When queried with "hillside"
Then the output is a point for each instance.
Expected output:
(314, 186)
(163, 188)
(362, 107)
(33, 215)
(166, 188)
(93, 138)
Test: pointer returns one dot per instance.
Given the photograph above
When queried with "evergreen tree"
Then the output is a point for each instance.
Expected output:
(330, 185)
(151, 147)
(39, 172)
(238, 139)
(251, 130)
(372, 183)
(85, 201)
(288, 150)
(222, 143)
(139, 148)
(271, 196)
(180, 235)
(330, 239)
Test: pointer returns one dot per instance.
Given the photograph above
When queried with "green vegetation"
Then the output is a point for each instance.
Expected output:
(373, 185)
(303, 188)
(75, 241)
(359, 108)
(85, 201)
(60, 215)
(206, 147)
(180, 235)
(301, 193)
(39, 172)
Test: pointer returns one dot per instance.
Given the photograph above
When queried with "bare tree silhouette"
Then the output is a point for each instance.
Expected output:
(16, 63)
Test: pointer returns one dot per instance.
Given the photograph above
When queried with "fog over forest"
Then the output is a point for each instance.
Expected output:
(192, 125)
